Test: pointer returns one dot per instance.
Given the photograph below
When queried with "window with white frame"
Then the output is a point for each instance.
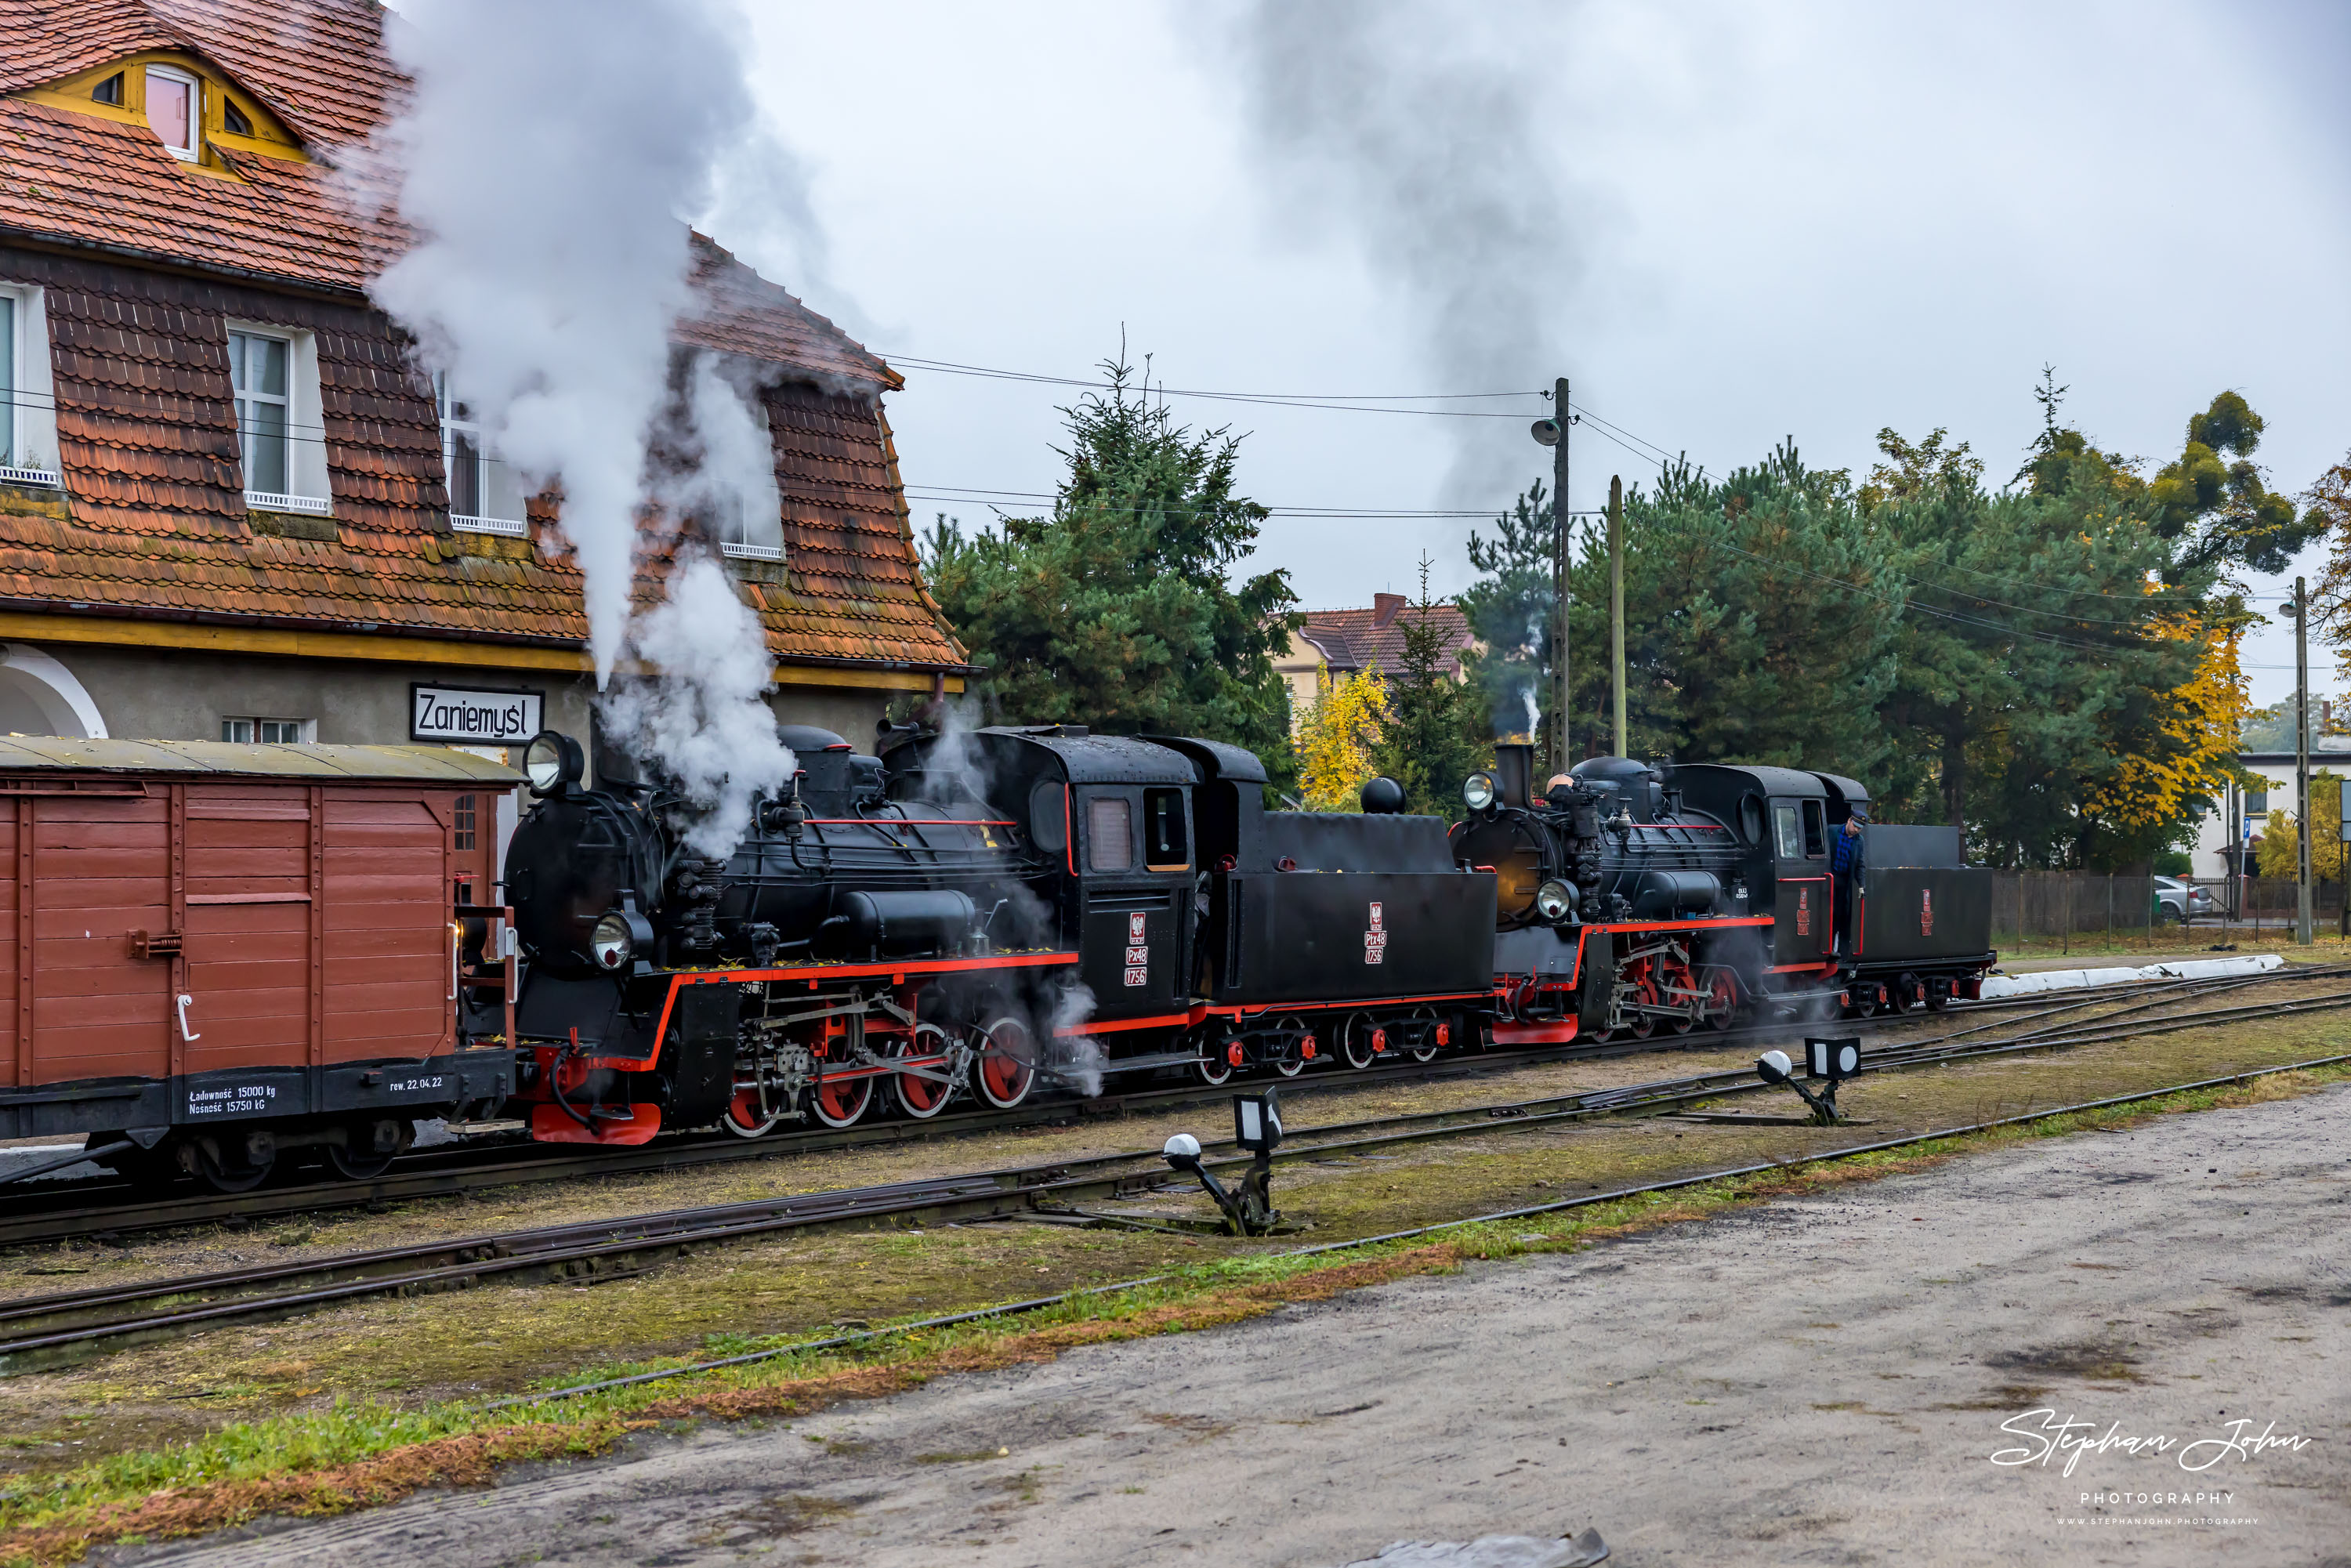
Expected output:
(484, 498)
(274, 376)
(265, 731)
(737, 536)
(175, 108)
(28, 418)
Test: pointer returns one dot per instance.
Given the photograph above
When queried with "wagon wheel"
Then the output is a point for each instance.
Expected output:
(748, 1115)
(840, 1101)
(1289, 1057)
(1215, 1066)
(359, 1159)
(1006, 1069)
(1906, 993)
(919, 1097)
(1355, 1042)
(1721, 1003)
(1641, 1026)
(1425, 1047)
(1937, 998)
(231, 1179)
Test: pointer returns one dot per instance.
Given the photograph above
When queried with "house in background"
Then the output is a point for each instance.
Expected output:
(1352, 640)
(233, 505)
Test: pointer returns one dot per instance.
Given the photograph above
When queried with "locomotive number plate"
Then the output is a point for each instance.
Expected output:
(1137, 976)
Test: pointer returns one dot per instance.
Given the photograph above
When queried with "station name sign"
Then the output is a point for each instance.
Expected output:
(483, 717)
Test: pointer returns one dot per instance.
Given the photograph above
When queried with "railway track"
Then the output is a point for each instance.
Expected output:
(74, 1326)
(106, 1209)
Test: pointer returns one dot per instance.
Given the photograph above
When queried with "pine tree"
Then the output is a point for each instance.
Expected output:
(1118, 609)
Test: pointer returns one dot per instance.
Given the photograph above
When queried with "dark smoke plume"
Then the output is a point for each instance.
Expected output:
(1427, 135)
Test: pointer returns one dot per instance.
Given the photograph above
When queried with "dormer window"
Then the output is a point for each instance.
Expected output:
(109, 91)
(174, 108)
(233, 119)
(484, 498)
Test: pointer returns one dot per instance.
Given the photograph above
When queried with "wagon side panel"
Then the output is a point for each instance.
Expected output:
(387, 957)
(101, 972)
(246, 852)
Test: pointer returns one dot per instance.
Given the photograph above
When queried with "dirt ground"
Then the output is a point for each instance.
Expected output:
(1852, 1376)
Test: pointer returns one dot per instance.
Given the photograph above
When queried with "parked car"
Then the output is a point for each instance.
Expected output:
(2179, 900)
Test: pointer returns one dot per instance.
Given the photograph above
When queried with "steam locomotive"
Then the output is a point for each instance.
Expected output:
(978, 914)
(973, 913)
(1634, 897)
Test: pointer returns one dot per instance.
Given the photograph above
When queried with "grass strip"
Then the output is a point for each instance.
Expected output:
(364, 1453)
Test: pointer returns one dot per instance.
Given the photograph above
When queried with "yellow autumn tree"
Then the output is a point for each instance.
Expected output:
(2275, 854)
(1335, 737)
(2198, 724)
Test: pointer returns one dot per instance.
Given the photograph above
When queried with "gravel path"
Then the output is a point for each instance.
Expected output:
(1818, 1380)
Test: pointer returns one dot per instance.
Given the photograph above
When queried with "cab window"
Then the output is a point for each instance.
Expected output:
(1164, 844)
(1788, 836)
(1816, 838)
(1110, 833)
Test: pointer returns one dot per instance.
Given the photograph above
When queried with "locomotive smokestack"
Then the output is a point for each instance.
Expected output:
(1514, 770)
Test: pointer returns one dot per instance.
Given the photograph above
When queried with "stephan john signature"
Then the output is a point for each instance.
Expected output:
(2047, 1436)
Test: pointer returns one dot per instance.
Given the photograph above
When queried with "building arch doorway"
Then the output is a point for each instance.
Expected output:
(39, 695)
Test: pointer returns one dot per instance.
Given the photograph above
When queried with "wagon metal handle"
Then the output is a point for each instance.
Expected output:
(191, 1038)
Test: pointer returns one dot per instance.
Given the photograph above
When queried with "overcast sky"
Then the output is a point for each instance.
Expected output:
(1727, 224)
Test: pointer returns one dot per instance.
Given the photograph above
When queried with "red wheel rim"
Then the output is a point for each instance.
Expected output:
(1643, 1025)
(744, 1110)
(923, 1097)
(1721, 999)
(1005, 1070)
(841, 1103)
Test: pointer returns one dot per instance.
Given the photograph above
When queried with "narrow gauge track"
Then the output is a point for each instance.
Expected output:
(63, 1329)
(108, 1208)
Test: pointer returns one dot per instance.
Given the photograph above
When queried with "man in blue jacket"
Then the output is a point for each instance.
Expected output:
(1848, 860)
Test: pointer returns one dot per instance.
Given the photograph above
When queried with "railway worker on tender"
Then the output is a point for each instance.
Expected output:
(1848, 859)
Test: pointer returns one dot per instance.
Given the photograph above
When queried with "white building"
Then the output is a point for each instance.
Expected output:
(2242, 814)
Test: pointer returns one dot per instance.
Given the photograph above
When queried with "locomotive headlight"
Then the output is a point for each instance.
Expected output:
(1478, 791)
(612, 942)
(1554, 900)
(552, 760)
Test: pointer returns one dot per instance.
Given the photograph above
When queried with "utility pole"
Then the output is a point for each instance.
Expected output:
(1563, 758)
(1616, 604)
(2301, 609)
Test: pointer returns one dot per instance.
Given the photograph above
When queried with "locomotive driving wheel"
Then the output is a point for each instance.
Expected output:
(750, 1114)
(923, 1093)
(1357, 1043)
(1643, 1024)
(840, 1101)
(1676, 978)
(1721, 1003)
(1006, 1068)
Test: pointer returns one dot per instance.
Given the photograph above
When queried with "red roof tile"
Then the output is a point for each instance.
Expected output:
(158, 521)
(1373, 638)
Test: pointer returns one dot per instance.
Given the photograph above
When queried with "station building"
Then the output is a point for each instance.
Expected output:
(233, 505)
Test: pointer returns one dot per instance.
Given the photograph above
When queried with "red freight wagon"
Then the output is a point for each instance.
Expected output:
(210, 953)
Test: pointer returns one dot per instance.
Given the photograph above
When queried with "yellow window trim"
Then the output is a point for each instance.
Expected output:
(271, 138)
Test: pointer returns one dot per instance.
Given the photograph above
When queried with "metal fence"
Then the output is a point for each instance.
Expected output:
(2061, 907)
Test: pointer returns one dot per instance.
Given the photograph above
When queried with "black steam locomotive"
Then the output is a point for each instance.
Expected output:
(1633, 896)
(969, 913)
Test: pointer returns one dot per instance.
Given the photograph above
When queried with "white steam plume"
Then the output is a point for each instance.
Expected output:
(726, 449)
(701, 714)
(1422, 131)
(547, 161)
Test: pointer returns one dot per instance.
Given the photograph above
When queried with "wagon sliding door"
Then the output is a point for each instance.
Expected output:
(388, 965)
(247, 857)
(89, 923)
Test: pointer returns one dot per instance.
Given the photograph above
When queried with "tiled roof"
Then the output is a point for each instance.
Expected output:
(156, 522)
(1373, 638)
